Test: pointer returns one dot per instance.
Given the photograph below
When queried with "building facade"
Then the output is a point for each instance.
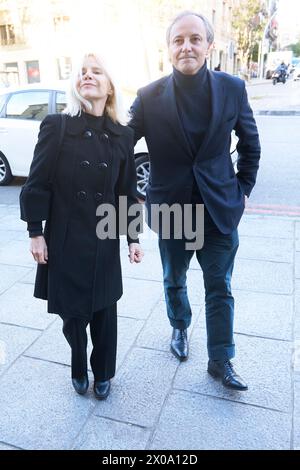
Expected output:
(38, 38)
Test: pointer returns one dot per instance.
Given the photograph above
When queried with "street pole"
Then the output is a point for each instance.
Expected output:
(262, 50)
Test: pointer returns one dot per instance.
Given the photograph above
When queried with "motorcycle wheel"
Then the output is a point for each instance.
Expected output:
(274, 81)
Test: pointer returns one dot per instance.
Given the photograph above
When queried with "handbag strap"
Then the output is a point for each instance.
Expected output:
(63, 118)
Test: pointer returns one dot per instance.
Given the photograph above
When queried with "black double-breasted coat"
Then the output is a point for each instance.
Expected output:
(83, 273)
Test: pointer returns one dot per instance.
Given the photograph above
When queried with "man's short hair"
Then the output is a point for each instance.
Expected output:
(207, 24)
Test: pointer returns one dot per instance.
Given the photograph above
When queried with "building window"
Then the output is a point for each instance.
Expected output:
(64, 66)
(10, 74)
(224, 12)
(61, 23)
(33, 71)
(7, 34)
(213, 18)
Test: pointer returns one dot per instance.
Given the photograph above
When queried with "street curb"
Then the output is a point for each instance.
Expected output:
(276, 113)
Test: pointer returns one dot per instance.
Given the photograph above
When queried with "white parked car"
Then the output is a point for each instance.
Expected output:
(21, 113)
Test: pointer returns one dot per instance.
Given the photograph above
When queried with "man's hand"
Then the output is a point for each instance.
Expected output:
(38, 248)
(135, 253)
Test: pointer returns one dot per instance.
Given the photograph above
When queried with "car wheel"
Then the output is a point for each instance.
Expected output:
(5, 171)
(142, 166)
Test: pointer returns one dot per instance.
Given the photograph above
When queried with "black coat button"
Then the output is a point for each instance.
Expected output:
(87, 134)
(81, 195)
(103, 166)
(98, 196)
(84, 164)
(104, 137)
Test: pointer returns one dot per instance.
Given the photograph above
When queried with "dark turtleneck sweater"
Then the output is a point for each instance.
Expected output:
(193, 99)
(35, 228)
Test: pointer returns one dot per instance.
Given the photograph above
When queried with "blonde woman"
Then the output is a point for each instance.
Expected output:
(78, 272)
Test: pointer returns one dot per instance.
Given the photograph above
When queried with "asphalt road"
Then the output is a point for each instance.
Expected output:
(278, 182)
(265, 96)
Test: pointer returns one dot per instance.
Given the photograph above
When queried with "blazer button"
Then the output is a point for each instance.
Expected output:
(98, 196)
(103, 166)
(82, 195)
(84, 164)
(87, 134)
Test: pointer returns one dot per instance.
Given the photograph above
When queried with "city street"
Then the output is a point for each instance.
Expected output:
(147, 409)
(266, 97)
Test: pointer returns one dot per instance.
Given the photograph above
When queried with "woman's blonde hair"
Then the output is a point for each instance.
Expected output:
(76, 103)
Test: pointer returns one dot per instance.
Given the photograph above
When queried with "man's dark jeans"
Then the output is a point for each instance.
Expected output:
(216, 259)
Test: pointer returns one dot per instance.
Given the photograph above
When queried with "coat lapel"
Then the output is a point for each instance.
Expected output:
(217, 105)
(169, 104)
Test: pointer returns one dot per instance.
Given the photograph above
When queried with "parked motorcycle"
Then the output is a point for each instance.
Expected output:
(279, 77)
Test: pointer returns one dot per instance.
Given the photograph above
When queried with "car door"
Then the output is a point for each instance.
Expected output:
(19, 127)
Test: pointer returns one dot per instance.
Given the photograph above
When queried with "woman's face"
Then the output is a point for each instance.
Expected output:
(94, 84)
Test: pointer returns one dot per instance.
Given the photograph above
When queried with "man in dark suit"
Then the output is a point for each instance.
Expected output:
(187, 119)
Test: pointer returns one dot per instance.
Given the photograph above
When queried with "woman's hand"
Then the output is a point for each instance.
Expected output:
(135, 253)
(38, 248)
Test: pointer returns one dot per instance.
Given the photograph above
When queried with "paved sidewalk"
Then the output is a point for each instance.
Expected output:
(278, 100)
(155, 402)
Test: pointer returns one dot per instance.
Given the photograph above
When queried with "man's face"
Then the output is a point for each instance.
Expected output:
(188, 46)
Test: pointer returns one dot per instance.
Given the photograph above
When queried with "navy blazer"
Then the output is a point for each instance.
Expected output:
(155, 116)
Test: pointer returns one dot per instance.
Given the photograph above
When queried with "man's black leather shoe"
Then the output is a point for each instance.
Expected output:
(179, 344)
(81, 385)
(225, 371)
(101, 389)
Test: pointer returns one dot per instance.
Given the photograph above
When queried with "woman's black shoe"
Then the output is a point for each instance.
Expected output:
(81, 385)
(101, 389)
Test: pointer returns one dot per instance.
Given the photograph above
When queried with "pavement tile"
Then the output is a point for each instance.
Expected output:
(297, 265)
(214, 424)
(7, 236)
(261, 314)
(263, 276)
(9, 275)
(140, 388)
(195, 287)
(271, 227)
(276, 249)
(6, 447)
(41, 411)
(264, 364)
(16, 252)
(18, 307)
(296, 436)
(29, 278)
(149, 269)
(52, 345)
(139, 298)
(13, 222)
(297, 311)
(157, 331)
(13, 342)
(104, 434)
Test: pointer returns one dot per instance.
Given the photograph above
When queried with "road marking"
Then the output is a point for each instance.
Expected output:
(273, 209)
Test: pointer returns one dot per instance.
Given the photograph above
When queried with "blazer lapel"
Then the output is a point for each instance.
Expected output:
(169, 104)
(217, 105)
